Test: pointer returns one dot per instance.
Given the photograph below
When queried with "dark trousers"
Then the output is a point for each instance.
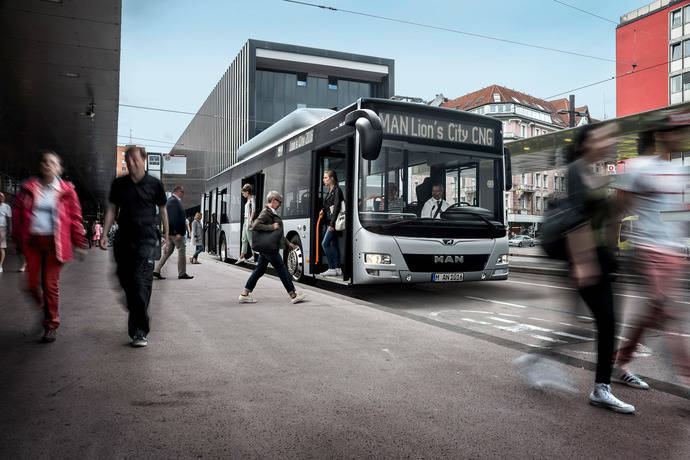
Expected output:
(599, 299)
(135, 272)
(330, 247)
(277, 262)
(43, 268)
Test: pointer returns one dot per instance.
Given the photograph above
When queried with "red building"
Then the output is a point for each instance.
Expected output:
(653, 57)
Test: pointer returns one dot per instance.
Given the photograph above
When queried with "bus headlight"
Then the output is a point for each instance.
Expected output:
(502, 259)
(380, 259)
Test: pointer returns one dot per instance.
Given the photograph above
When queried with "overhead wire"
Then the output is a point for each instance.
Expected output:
(448, 29)
(585, 11)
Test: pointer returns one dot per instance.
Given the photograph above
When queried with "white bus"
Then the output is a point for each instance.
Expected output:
(387, 156)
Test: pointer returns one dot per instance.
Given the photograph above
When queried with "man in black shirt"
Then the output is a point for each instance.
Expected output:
(178, 229)
(133, 200)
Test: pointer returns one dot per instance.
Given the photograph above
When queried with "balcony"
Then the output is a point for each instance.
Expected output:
(527, 188)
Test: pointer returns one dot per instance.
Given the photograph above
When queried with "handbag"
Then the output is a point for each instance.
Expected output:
(340, 220)
(268, 242)
(560, 219)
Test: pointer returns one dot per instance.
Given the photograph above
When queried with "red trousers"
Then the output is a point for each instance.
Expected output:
(43, 266)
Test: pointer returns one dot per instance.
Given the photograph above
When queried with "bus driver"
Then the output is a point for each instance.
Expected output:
(435, 205)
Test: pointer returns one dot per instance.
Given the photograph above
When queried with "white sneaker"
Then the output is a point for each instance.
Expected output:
(330, 272)
(240, 260)
(601, 396)
(247, 298)
(338, 272)
(630, 379)
(299, 297)
(0, 269)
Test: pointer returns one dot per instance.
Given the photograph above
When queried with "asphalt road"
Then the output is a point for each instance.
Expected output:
(400, 374)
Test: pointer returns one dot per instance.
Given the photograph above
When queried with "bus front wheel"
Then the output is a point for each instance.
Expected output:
(294, 259)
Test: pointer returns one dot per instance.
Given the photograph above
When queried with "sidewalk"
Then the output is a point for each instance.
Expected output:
(326, 378)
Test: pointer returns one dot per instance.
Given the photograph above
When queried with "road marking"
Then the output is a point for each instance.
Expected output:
(572, 336)
(521, 327)
(470, 320)
(546, 339)
(502, 320)
(509, 315)
(632, 296)
(496, 301)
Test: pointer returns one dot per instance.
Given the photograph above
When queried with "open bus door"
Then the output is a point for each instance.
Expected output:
(338, 157)
(257, 183)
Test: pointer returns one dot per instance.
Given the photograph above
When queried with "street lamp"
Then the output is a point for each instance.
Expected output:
(572, 111)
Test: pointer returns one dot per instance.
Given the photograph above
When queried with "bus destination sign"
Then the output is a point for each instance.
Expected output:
(437, 130)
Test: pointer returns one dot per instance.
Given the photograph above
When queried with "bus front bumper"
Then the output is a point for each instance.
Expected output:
(405, 276)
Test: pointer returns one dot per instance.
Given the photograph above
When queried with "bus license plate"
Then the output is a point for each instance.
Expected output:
(441, 277)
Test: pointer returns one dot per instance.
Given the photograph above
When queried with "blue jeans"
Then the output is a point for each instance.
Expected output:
(277, 261)
(330, 247)
(199, 249)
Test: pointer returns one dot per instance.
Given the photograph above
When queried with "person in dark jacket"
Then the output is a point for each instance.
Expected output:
(268, 221)
(178, 229)
(333, 199)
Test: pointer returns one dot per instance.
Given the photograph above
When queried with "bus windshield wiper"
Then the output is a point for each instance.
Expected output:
(407, 221)
(473, 213)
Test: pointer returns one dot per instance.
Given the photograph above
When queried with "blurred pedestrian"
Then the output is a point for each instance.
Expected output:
(331, 208)
(249, 216)
(133, 199)
(652, 185)
(47, 225)
(270, 225)
(97, 228)
(589, 254)
(178, 229)
(197, 234)
(5, 227)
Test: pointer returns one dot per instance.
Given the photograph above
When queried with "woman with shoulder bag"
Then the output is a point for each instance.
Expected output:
(268, 240)
(332, 206)
(249, 215)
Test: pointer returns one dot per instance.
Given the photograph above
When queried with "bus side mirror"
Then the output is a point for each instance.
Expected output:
(509, 168)
(368, 126)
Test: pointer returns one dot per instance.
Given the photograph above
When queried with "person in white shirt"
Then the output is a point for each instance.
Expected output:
(435, 205)
(249, 216)
(5, 226)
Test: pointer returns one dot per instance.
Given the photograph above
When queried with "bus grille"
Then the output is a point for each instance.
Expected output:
(426, 263)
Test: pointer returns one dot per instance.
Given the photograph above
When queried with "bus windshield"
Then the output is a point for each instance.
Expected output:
(423, 190)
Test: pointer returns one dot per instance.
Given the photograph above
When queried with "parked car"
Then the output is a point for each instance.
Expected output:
(521, 240)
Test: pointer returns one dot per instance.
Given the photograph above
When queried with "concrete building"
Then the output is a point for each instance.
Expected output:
(120, 163)
(265, 82)
(523, 116)
(653, 57)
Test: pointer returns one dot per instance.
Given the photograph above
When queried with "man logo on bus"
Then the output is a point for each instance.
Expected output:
(448, 259)
(448, 242)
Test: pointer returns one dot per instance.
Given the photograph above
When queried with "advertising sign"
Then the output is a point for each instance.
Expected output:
(154, 162)
(175, 163)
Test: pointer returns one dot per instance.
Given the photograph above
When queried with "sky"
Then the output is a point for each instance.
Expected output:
(173, 52)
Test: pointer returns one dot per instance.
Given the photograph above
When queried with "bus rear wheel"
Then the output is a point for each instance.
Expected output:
(223, 249)
(294, 260)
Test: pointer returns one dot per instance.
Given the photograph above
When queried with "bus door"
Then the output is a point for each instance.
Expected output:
(334, 157)
(257, 183)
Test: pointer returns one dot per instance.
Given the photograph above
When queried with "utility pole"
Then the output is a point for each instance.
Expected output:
(571, 115)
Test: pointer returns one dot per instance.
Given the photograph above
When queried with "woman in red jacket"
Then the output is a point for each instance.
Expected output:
(47, 223)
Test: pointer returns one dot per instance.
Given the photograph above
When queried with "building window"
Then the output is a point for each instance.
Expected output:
(332, 83)
(675, 84)
(555, 183)
(124, 168)
(686, 48)
(301, 106)
(676, 19)
(536, 131)
(523, 130)
(675, 51)
(124, 161)
(524, 179)
(686, 81)
(537, 203)
(537, 180)
(546, 181)
(301, 79)
(497, 97)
